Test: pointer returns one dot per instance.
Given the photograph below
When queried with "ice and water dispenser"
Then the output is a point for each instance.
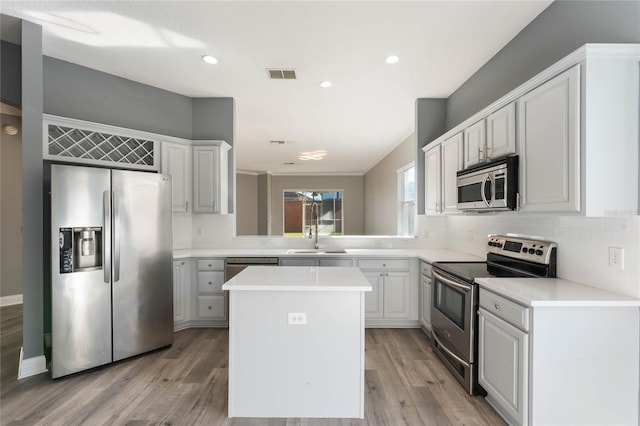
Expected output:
(80, 249)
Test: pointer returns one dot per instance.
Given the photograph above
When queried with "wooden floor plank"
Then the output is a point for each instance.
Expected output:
(186, 384)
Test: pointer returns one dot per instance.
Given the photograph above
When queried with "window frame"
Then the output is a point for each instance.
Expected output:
(303, 216)
(401, 202)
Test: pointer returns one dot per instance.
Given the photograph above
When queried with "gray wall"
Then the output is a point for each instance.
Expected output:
(10, 208)
(11, 75)
(381, 190)
(431, 122)
(32, 196)
(559, 30)
(353, 202)
(75, 91)
(246, 204)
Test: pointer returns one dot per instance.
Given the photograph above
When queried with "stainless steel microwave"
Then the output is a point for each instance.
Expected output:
(489, 186)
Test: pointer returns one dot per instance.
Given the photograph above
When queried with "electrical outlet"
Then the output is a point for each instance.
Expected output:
(616, 257)
(297, 318)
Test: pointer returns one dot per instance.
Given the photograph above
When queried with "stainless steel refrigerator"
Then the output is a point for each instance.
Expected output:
(111, 266)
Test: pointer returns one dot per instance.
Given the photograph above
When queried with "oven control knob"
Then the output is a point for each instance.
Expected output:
(531, 251)
(490, 243)
(524, 250)
(539, 252)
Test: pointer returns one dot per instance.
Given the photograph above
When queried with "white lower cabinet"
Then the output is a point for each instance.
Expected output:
(559, 363)
(392, 287)
(502, 352)
(181, 292)
(210, 299)
(425, 295)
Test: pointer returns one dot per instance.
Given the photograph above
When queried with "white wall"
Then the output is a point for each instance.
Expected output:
(583, 244)
(246, 204)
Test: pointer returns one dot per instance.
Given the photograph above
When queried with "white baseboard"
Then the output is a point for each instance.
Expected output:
(14, 299)
(31, 366)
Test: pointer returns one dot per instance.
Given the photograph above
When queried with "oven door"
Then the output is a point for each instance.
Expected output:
(453, 316)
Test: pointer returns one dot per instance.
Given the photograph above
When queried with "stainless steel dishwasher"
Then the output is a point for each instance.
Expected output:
(233, 265)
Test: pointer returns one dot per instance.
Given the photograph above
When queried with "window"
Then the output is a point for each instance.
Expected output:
(299, 218)
(407, 200)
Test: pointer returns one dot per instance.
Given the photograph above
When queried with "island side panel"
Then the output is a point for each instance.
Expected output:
(282, 370)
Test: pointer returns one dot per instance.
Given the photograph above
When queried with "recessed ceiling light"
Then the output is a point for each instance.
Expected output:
(209, 59)
(10, 130)
(312, 155)
(393, 59)
(325, 84)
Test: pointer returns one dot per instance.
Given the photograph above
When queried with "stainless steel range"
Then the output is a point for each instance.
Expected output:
(455, 298)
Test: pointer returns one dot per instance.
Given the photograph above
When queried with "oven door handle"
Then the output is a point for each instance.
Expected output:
(465, 288)
(451, 354)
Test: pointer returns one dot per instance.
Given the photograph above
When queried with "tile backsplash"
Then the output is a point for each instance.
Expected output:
(583, 244)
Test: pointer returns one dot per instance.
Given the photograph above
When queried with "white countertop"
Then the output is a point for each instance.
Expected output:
(298, 278)
(554, 292)
(428, 255)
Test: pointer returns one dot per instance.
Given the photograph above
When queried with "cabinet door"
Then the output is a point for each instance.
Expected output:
(373, 299)
(501, 132)
(451, 162)
(179, 291)
(549, 145)
(425, 300)
(205, 181)
(212, 307)
(503, 364)
(432, 184)
(176, 160)
(474, 144)
(396, 295)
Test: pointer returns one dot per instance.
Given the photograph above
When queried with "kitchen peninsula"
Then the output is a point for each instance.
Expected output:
(296, 342)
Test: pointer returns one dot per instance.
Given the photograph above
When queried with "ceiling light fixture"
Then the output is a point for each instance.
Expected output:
(325, 84)
(209, 59)
(393, 59)
(10, 130)
(312, 155)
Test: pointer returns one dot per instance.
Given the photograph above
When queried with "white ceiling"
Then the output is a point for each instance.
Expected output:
(367, 112)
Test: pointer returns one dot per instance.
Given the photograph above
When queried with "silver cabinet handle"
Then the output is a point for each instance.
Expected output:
(106, 245)
(116, 236)
(497, 306)
(182, 263)
(209, 282)
(186, 206)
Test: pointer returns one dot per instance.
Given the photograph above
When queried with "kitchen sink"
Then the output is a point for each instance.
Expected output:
(318, 251)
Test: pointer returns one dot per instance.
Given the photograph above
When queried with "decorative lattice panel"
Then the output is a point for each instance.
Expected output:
(92, 145)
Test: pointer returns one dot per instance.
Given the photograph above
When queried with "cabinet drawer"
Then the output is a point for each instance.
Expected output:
(402, 264)
(509, 311)
(211, 307)
(210, 264)
(336, 262)
(425, 268)
(210, 281)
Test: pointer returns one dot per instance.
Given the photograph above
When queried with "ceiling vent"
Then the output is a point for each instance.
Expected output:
(280, 74)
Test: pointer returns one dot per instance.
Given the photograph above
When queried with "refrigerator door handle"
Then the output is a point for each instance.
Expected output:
(116, 237)
(106, 243)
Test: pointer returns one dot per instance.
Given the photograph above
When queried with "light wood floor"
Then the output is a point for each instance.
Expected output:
(186, 384)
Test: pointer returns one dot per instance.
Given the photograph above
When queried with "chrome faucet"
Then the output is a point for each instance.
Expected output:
(316, 245)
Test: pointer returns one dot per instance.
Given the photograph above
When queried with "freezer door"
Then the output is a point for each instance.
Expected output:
(142, 263)
(80, 297)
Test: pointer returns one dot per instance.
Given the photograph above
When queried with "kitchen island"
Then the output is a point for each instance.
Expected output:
(296, 342)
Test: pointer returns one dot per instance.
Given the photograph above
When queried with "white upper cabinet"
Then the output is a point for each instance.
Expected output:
(474, 144)
(451, 152)
(492, 137)
(501, 132)
(176, 161)
(442, 162)
(432, 186)
(549, 145)
(210, 177)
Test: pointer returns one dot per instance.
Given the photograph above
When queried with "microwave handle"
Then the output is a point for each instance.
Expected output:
(482, 189)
